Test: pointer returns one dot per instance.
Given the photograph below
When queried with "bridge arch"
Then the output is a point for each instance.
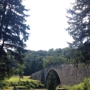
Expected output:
(67, 73)
(54, 74)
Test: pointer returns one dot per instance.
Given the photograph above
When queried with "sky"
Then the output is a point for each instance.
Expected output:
(47, 24)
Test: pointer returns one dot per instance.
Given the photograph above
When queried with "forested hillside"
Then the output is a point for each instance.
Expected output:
(37, 60)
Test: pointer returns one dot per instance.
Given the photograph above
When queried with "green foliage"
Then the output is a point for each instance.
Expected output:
(4, 84)
(78, 21)
(22, 87)
(59, 56)
(21, 70)
(25, 83)
(79, 29)
(85, 85)
(33, 62)
(37, 60)
(13, 34)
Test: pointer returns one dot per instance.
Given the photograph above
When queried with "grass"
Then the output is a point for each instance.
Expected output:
(9, 88)
(26, 81)
(14, 79)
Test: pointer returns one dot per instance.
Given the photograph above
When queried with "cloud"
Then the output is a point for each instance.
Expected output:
(47, 22)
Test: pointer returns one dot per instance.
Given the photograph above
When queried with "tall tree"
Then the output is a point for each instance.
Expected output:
(79, 26)
(13, 29)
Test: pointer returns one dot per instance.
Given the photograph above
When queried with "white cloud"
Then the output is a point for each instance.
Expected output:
(47, 23)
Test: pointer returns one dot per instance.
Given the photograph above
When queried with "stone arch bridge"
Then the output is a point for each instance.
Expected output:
(67, 74)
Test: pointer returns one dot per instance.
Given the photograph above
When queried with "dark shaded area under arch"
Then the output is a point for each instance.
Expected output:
(54, 74)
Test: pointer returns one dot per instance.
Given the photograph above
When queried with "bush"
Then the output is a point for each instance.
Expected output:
(22, 84)
(4, 84)
(28, 86)
(87, 84)
(21, 87)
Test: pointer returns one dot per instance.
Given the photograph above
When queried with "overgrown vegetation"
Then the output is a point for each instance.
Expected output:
(37, 60)
(23, 83)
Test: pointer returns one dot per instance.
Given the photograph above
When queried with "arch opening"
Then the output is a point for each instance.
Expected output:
(52, 78)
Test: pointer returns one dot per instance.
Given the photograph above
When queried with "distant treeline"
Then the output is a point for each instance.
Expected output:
(37, 60)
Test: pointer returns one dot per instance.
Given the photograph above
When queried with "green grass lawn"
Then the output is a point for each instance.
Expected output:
(16, 79)
(13, 79)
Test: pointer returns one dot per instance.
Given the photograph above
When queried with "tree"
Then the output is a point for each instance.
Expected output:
(79, 22)
(39, 63)
(13, 30)
(79, 26)
(21, 71)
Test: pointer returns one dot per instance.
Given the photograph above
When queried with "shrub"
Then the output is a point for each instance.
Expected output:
(21, 87)
(4, 84)
(22, 84)
(87, 84)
